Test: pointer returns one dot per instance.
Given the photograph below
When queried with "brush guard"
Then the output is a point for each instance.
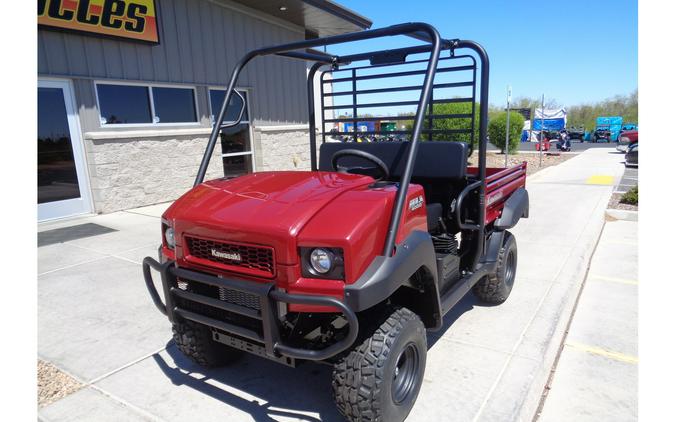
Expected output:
(268, 314)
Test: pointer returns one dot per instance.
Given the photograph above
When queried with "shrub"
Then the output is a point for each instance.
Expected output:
(456, 122)
(451, 123)
(497, 130)
(630, 197)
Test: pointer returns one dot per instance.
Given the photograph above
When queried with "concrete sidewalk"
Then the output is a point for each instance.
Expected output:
(97, 322)
(596, 378)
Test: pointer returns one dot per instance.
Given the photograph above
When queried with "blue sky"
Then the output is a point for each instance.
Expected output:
(573, 51)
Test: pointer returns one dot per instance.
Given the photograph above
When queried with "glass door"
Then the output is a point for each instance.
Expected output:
(235, 141)
(62, 188)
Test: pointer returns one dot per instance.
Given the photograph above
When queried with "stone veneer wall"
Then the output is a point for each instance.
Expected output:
(281, 147)
(134, 169)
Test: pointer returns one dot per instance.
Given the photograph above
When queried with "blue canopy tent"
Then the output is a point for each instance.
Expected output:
(550, 119)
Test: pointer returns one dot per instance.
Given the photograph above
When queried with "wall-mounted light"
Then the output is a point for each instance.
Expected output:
(283, 8)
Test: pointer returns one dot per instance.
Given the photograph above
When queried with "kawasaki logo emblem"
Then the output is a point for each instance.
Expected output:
(226, 255)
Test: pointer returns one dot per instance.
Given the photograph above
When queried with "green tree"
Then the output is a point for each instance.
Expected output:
(619, 105)
(497, 130)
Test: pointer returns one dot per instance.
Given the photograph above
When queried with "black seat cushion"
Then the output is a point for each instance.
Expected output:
(436, 160)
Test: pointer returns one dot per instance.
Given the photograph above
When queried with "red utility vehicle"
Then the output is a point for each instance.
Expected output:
(351, 262)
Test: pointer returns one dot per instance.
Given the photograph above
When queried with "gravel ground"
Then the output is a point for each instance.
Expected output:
(497, 160)
(616, 205)
(53, 384)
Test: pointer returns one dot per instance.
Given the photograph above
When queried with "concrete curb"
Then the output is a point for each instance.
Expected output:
(570, 279)
(626, 215)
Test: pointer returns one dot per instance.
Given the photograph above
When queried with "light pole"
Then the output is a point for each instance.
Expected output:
(541, 131)
(508, 123)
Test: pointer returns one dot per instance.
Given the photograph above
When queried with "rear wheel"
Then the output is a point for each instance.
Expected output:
(496, 288)
(379, 380)
(196, 342)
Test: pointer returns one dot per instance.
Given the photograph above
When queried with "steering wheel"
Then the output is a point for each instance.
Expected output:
(381, 166)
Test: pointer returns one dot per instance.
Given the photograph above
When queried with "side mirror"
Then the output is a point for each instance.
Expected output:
(240, 115)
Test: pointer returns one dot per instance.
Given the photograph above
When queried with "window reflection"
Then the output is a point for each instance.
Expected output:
(235, 139)
(124, 103)
(174, 105)
(237, 165)
(217, 96)
(57, 175)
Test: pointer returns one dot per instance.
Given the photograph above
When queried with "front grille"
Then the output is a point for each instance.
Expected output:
(253, 260)
(248, 300)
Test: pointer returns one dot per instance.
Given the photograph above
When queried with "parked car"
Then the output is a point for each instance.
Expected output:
(632, 155)
(627, 139)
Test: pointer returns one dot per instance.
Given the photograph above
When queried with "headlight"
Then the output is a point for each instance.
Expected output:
(624, 139)
(170, 238)
(321, 260)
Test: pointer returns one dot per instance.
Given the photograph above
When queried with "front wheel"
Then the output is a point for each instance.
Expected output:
(196, 342)
(379, 380)
(496, 288)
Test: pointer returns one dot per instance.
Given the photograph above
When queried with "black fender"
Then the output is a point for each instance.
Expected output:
(494, 244)
(517, 206)
(385, 275)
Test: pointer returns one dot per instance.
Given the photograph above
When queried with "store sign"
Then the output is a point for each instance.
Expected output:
(132, 19)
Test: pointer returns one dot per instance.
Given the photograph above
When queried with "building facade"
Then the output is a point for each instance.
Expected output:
(123, 117)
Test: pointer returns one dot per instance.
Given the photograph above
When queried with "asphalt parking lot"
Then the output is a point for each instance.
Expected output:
(576, 146)
(628, 180)
(97, 323)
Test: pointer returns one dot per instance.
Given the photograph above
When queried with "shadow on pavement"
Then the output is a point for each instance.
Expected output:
(467, 303)
(282, 391)
(305, 388)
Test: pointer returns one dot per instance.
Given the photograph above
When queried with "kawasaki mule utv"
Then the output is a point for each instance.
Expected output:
(352, 262)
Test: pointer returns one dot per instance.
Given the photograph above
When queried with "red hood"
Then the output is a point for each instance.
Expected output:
(268, 208)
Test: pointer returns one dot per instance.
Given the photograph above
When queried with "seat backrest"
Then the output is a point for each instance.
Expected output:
(436, 160)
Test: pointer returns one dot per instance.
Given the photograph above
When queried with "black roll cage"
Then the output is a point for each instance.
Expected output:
(418, 30)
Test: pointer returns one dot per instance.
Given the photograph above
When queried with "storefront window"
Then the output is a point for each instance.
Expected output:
(174, 105)
(141, 104)
(235, 141)
(217, 97)
(124, 104)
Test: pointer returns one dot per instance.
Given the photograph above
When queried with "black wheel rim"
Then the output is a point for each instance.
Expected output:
(510, 274)
(406, 373)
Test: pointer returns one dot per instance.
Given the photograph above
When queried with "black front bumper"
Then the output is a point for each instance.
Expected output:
(268, 313)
